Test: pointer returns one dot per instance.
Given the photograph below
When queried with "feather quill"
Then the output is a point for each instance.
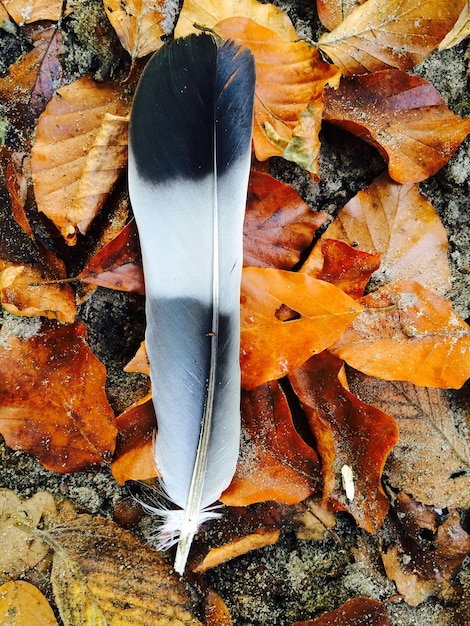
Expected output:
(189, 161)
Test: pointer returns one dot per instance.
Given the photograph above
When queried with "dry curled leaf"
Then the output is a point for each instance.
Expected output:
(285, 318)
(355, 612)
(407, 332)
(403, 116)
(52, 399)
(382, 34)
(22, 604)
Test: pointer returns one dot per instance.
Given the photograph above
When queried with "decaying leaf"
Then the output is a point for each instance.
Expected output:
(332, 12)
(52, 399)
(27, 11)
(314, 520)
(278, 226)
(347, 432)
(402, 225)
(23, 604)
(103, 575)
(382, 34)
(271, 347)
(139, 24)
(290, 79)
(274, 462)
(407, 332)
(403, 116)
(460, 31)
(76, 143)
(431, 460)
(22, 551)
(355, 612)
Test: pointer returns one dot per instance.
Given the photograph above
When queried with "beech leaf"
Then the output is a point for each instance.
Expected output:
(355, 612)
(383, 34)
(274, 462)
(52, 398)
(431, 461)
(278, 225)
(402, 225)
(27, 11)
(407, 332)
(270, 347)
(332, 12)
(403, 116)
(78, 154)
(348, 433)
(22, 603)
(460, 31)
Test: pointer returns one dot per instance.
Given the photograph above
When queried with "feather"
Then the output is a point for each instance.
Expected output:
(190, 150)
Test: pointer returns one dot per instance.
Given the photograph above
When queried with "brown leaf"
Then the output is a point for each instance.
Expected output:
(53, 403)
(348, 433)
(274, 462)
(23, 604)
(103, 574)
(140, 362)
(216, 612)
(27, 11)
(407, 332)
(314, 521)
(355, 612)
(332, 12)
(271, 347)
(78, 154)
(278, 226)
(403, 116)
(431, 460)
(382, 34)
(118, 264)
(460, 31)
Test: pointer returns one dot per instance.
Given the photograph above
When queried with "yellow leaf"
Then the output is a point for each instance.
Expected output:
(460, 31)
(383, 34)
(22, 604)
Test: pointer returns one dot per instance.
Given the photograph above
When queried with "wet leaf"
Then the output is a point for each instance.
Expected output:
(271, 347)
(278, 226)
(103, 574)
(403, 116)
(216, 612)
(52, 399)
(274, 462)
(78, 154)
(402, 225)
(332, 12)
(355, 612)
(350, 433)
(290, 78)
(22, 604)
(407, 332)
(382, 34)
(27, 11)
(460, 31)
(431, 460)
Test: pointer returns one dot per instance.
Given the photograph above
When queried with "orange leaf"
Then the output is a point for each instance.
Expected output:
(341, 265)
(355, 612)
(52, 399)
(401, 224)
(403, 116)
(22, 603)
(383, 34)
(138, 24)
(271, 347)
(332, 12)
(460, 31)
(348, 433)
(278, 226)
(78, 154)
(117, 265)
(140, 362)
(216, 612)
(27, 11)
(290, 78)
(274, 462)
(408, 333)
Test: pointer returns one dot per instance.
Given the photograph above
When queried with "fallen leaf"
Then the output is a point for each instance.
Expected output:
(403, 116)
(347, 432)
(102, 574)
(355, 612)
(402, 225)
(431, 460)
(290, 79)
(270, 347)
(341, 265)
(118, 264)
(53, 403)
(278, 225)
(314, 521)
(139, 24)
(140, 362)
(216, 612)
(78, 152)
(382, 34)
(407, 332)
(23, 551)
(274, 462)
(193, 15)
(460, 31)
(332, 12)
(27, 11)
(23, 604)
